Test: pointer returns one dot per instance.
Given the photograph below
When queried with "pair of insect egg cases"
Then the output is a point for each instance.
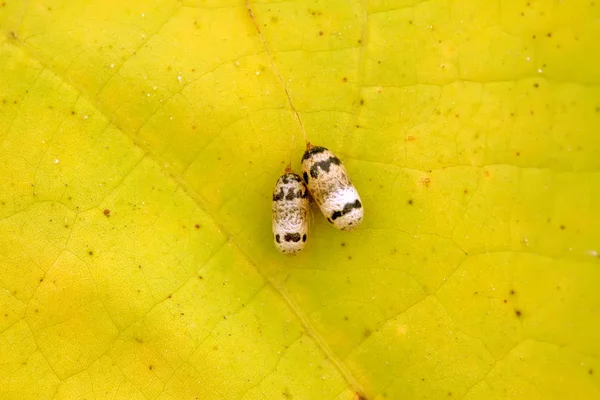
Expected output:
(324, 176)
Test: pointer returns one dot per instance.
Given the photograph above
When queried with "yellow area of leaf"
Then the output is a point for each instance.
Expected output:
(139, 142)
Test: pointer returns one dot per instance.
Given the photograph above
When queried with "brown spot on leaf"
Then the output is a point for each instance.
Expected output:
(107, 212)
(518, 313)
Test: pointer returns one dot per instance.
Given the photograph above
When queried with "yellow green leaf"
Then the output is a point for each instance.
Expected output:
(139, 144)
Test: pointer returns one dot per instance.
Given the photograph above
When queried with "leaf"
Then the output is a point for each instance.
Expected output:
(139, 142)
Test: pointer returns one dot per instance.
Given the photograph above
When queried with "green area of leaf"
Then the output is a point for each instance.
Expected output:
(139, 143)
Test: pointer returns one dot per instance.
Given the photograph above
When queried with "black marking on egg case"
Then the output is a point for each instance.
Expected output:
(277, 238)
(278, 196)
(294, 195)
(305, 175)
(304, 237)
(324, 165)
(292, 237)
(312, 151)
(294, 177)
(290, 195)
(347, 208)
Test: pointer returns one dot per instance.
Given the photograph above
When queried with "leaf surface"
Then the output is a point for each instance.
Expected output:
(139, 143)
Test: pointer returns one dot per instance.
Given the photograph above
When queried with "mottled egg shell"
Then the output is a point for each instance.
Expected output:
(290, 214)
(330, 186)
